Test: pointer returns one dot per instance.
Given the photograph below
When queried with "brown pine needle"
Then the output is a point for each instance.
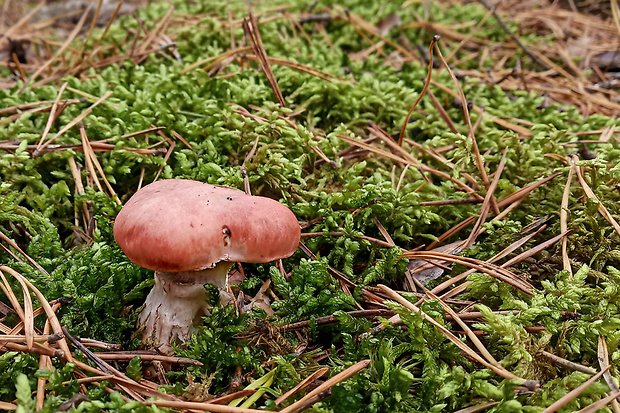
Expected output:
(340, 377)
(78, 119)
(603, 361)
(564, 220)
(302, 385)
(563, 401)
(52, 116)
(590, 194)
(502, 372)
(488, 200)
(55, 324)
(250, 27)
(481, 348)
(60, 51)
(206, 407)
(480, 266)
(594, 407)
(403, 129)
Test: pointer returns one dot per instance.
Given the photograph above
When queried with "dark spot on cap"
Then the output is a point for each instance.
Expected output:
(227, 235)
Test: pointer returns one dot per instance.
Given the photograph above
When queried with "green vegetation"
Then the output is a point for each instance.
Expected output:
(413, 368)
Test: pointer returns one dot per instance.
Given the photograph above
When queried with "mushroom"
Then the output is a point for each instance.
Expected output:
(190, 233)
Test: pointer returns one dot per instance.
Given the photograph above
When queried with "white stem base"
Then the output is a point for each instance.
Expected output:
(177, 302)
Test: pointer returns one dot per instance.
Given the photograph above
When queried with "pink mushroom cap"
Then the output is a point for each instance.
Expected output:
(179, 225)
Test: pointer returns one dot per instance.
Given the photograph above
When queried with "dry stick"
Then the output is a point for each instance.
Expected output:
(329, 383)
(78, 119)
(567, 364)
(67, 42)
(484, 211)
(250, 27)
(403, 129)
(563, 401)
(603, 361)
(601, 208)
(52, 117)
(564, 221)
(502, 372)
(48, 310)
(302, 385)
(12, 243)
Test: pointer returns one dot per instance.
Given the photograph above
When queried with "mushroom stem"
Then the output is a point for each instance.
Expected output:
(177, 302)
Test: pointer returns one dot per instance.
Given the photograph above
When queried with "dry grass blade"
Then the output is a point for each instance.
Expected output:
(78, 119)
(166, 157)
(215, 59)
(603, 361)
(45, 363)
(89, 154)
(205, 407)
(52, 116)
(505, 252)
(411, 161)
(481, 266)
(12, 243)
(502, 122)
(564, 220)
(250, 27)
(300, 67)
(479, 160)
(481, 348)
(594, 407)
(21, 21)
(8, 406)
(60, 51)
(48, 310)
(354, 369)
(477, 408)
(563, 401)
(523, 192)
(28, 318)
(454, 339)
(590, 193)
(302, 385)
(403, 129)
(488, 200)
